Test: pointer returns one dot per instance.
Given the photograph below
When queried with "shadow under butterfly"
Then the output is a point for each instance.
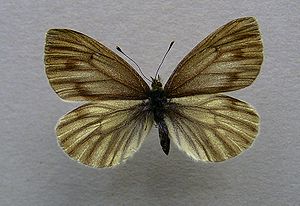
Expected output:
(122, 108)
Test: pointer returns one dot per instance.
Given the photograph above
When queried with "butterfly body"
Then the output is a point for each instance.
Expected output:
(120, 108)
(158, 103)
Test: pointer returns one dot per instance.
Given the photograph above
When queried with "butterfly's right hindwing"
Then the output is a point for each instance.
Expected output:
(106, 133)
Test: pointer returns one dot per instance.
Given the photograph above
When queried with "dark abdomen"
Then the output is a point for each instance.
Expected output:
(158, 101)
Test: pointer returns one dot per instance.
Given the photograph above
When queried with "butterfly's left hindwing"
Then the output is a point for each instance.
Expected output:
(104, 134)
(211, 127)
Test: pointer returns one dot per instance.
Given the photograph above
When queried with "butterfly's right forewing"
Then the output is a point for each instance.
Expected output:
(81, 69)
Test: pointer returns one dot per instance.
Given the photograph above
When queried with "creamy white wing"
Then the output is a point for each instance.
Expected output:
(104, 134)
(211, 127)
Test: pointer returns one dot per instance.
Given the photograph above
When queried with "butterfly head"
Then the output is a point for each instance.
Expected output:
(156, 84)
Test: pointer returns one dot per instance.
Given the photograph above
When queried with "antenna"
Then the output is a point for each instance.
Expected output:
(120, 50)
(171, 44)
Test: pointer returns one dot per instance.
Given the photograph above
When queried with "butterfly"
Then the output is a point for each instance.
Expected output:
(120, 108)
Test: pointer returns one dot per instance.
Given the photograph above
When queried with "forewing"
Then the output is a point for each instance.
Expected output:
(228, 59)
(211, 127)
(104, 134)
(81, 69)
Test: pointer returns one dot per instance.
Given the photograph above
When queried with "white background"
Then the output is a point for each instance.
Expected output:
(35, 171)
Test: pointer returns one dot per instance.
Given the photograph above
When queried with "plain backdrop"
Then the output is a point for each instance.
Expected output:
(35, 171)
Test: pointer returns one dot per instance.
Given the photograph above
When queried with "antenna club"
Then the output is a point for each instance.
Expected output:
(119, 49)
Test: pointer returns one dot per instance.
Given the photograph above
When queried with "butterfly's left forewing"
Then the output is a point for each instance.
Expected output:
(228, 59)
(104, 134)
(211, 127)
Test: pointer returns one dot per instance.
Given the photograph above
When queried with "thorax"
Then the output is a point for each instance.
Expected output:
(157, 100)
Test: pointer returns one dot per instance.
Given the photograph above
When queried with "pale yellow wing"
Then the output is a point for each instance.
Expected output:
(228, 59)
(104, 134)
(81, 69)
(211, 127)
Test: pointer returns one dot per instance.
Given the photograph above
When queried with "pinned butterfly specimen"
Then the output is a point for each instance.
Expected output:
(121, 108)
